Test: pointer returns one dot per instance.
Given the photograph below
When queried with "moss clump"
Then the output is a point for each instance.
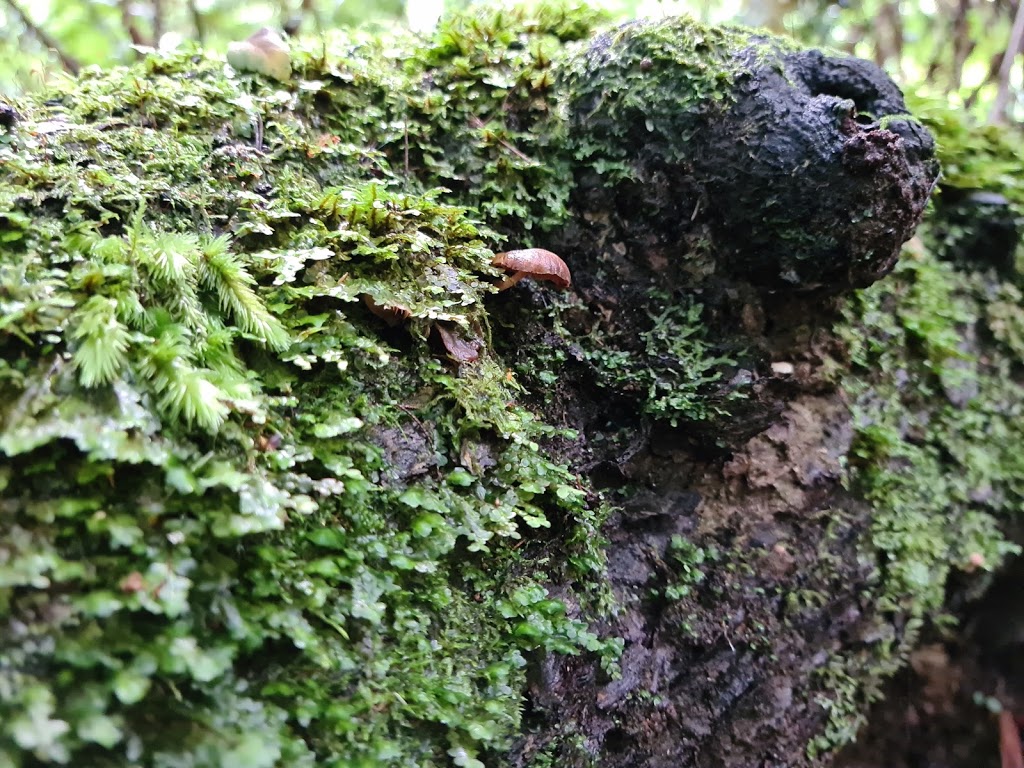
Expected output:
(245, 522)
(931, 450)
(974, 157)
(653, 84)
(673, 372)
(494, 86)
(935, 390)
(663, 365)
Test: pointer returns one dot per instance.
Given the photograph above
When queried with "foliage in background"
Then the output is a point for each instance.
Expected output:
(966, 51)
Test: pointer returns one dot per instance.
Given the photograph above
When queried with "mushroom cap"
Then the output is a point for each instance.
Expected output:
(264, 52)
(392, 314)
(537, 263)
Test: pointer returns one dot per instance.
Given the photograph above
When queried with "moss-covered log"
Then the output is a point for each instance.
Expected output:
(288, 482)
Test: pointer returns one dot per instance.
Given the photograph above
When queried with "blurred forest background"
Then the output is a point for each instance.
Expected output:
(964, 53)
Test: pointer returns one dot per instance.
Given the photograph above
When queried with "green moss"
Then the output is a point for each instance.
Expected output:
(687, 561)
(673, 370)
(474, 109)
(935, 419)
(846, 701)
(973, 156)
(247, 522)
(935, 393)
(685, 68)
(238, 504)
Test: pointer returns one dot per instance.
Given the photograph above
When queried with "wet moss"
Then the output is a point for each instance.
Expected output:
(933, 372)
(248, 520)
(237, 504)
(653, 84)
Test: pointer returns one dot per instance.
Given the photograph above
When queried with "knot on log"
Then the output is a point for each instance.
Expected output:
(734, 154)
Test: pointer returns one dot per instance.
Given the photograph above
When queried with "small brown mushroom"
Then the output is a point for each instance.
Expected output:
(392, 314)
(532, 262)
(264, 52)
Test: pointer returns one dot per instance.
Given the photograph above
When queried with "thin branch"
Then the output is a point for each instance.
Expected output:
(294, 20)
(309, 10)
(889, 37)
(198, 22)
(963, 45)
(68, 62)
(899, 38)
(477, 123)
(1009, 741)
(158, 21)
(993, 70)
(128, 22)
(999, 107)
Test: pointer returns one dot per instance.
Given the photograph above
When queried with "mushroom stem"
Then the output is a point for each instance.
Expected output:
(509, 281)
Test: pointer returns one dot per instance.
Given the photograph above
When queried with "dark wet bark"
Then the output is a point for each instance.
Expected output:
(801, 190)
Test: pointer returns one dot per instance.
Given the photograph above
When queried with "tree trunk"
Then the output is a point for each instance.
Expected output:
(288, 482)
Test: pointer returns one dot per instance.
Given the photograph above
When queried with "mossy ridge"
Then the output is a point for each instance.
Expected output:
(936, 396)
(672, 369)
(650, 83)
(202, 528)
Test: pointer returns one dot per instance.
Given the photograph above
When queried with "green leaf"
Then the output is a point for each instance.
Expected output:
(99, 729)
(222, 272)
(337, 425)
(130, 686)
(460, 477)
(329, 538)
(424, 524)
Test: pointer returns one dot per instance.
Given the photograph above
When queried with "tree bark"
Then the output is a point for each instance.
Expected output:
(250, 494)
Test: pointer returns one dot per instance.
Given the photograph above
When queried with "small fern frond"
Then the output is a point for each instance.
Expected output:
(221, 272)
(109, 250)
(169, 262)
(102, 341)
(185, 307)
(169, 343)
(190, 396)
(217, 350)
(130, 308)
(135, 228)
